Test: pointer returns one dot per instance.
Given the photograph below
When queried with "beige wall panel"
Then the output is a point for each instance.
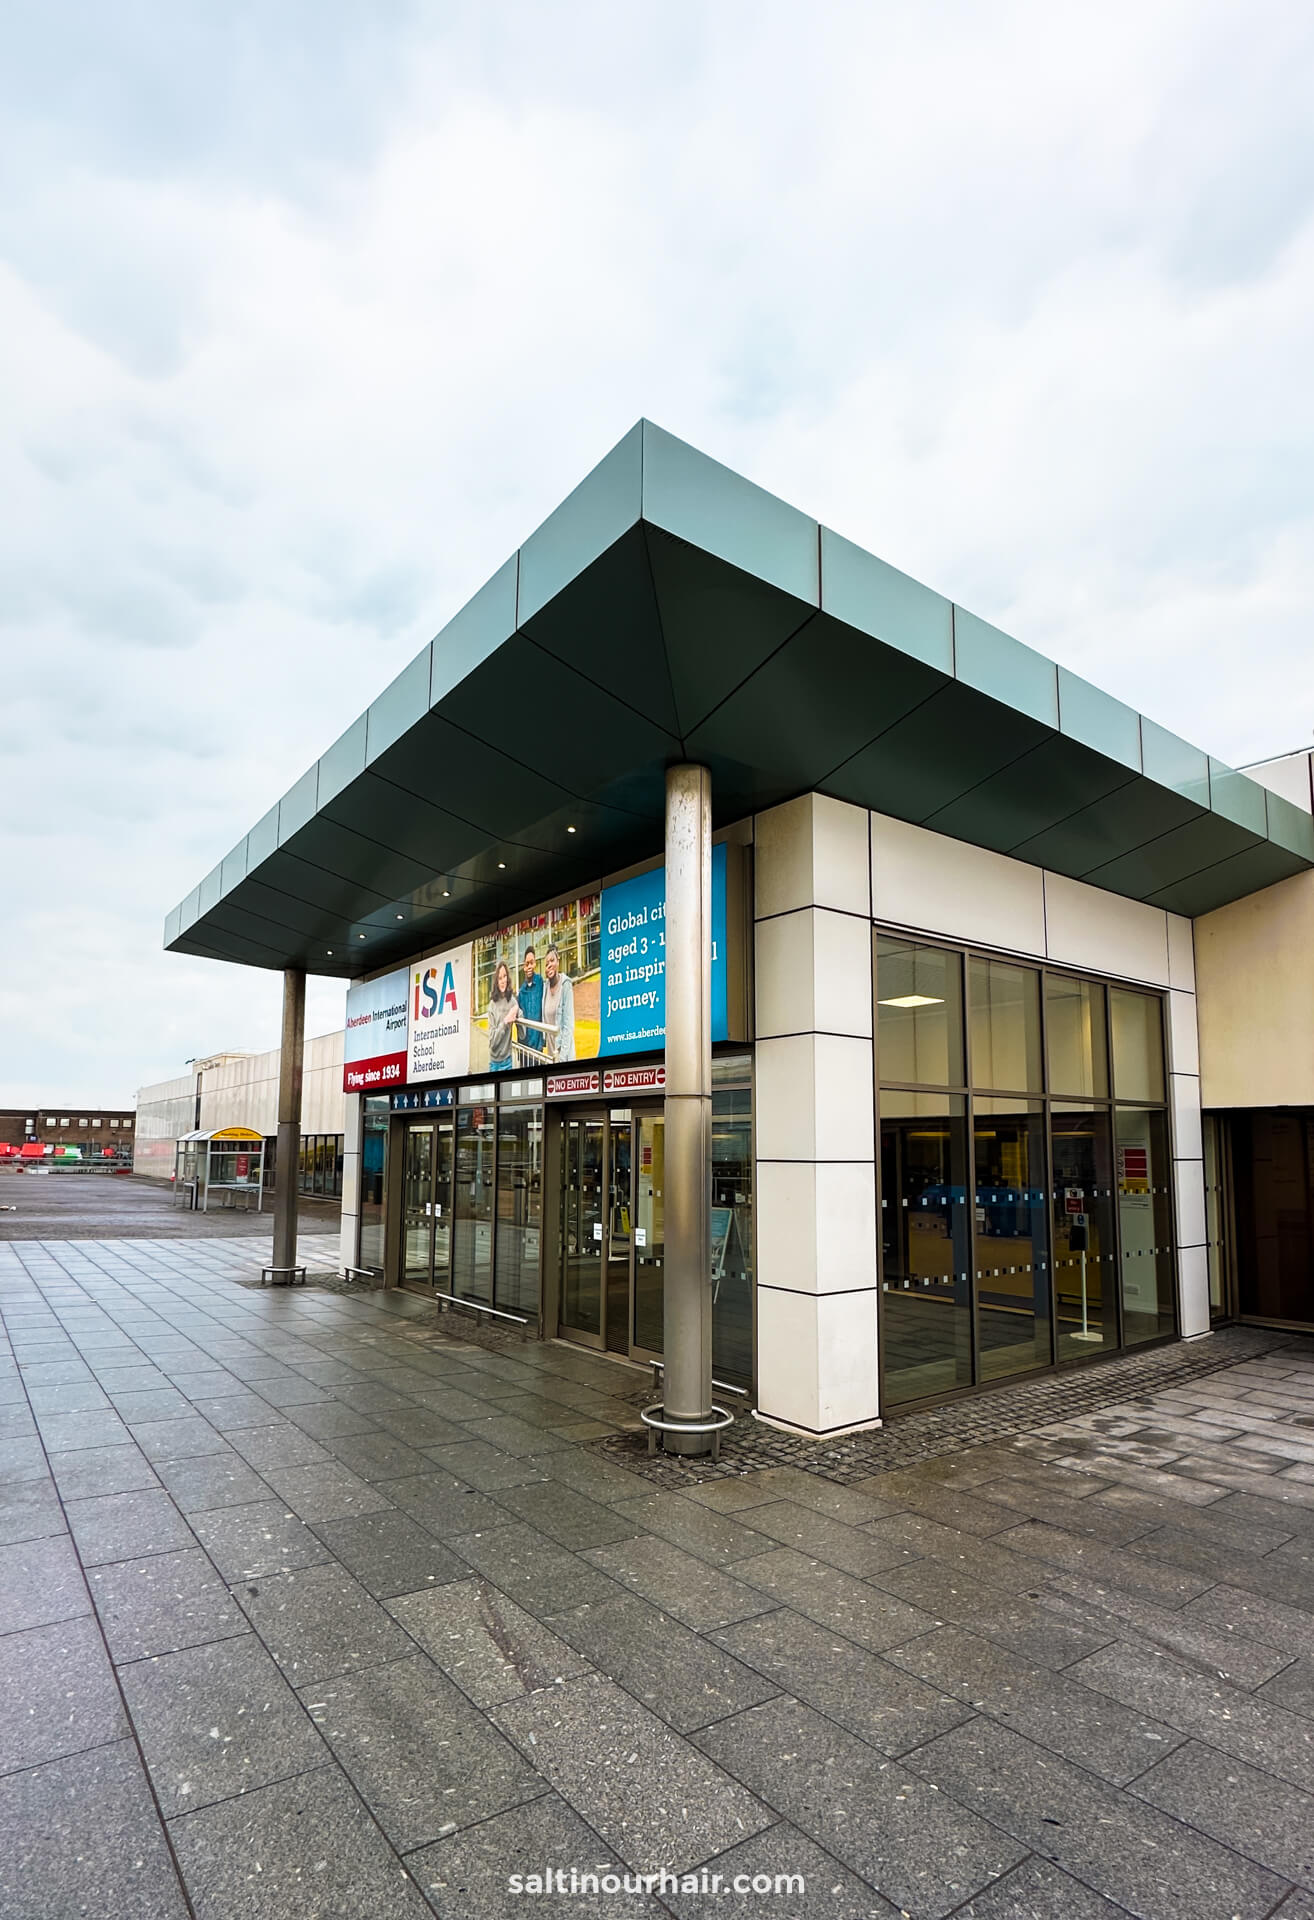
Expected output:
(1254, 964)
(1181, 953)
(812, 970)
(816, 1225)
(817, 1359)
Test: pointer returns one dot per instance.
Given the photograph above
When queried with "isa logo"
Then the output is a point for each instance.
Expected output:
(432, 995)
(438, 1026)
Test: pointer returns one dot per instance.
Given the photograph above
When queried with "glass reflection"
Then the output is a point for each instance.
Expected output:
(1076, 1036)
(1137, 1020)
(926, 1317)
(472, 1276)
(919, 1013)
(1005, 1025)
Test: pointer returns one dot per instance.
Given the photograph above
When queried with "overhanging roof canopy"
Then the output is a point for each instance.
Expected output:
(670, 610)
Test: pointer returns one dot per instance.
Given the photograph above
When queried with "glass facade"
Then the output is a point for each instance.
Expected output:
(373, 1164)
(1025, 1171)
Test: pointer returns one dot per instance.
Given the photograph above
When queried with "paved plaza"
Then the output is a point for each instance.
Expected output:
(321, 1605)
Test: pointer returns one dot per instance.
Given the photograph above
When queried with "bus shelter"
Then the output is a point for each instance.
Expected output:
(228, 1163)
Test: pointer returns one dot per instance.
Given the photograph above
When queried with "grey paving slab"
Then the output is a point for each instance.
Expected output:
(81, 1476)
(22, 1459)
(491, 1648)
(1135, 1856)
(389, 1553)
(452, 1403)
(421, 1756)
(1292, 1688)
(124, 1526)
(486, 1468)
(859, 1690)
(319, 1419)
(1216, 1713)
(735, 1494)
(467, 1875)
(1115, 1615)
(378, 1455)
(232, 1412)
(677, 1674)
(807, 1882)
(1269, 1821)
(691, 1591)
(277, 1444)
(510, 1434)
(822, 1537)
(1115, 1567)
(67, 1432)
(199, 1483)
(864, 1614)
(261, 1538)
(79, 1396)
(718, 1538)
(319, 1623)
(1298, 1905)
(29, 1510)
(913, 1492)
(1056, 1711)
(529, 1568)
(648, 1793)
(989, 1561)
(445, 1507)
(57, 1694)
(139, 1404)
(161, 1604)
(1038, 1890)
(880, 1817)
(217, 1720)
(1287, 1629)
(855, 1505)
(325, 1492)
(40, 1583)
(304, 1846)
(590, 1473)
(1021, 1622)
(570, 1518)
(80, 1836)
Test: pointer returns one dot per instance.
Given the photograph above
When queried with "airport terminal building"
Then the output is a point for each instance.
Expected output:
(1000, 993)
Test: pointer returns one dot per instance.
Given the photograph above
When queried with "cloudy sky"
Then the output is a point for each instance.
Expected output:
(312, 311)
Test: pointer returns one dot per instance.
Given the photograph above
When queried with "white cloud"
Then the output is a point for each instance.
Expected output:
(312, 313)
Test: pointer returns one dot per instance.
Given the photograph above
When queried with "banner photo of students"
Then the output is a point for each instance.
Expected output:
(537, 990)
(585, 980)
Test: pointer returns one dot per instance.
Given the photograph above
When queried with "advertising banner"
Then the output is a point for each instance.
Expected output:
(587, 979)
(438, 1034)
(374, 1046)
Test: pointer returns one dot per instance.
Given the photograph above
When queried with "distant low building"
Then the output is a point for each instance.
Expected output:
(100, 1133)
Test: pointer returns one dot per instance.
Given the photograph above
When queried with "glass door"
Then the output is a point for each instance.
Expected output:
(583, 1226)
(472, 1275)
(519, 1207)
(417, 1207)
(444, 1163)
(649, 1231)
(617, 1243)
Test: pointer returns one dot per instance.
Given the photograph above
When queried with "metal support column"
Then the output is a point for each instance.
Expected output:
(288, 1164)
(687, 1295)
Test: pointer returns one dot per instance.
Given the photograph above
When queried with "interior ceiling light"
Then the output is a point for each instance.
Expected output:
(570, 829)
(913, 1000)
(401, 916)
(501, 865)
(447, 893)
(360, 936)
(329, 952)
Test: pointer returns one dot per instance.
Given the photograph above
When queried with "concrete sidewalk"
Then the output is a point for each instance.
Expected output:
(311, 1607)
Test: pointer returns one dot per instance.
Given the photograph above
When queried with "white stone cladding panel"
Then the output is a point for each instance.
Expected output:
(1105, 933)
(817, 1359)
(816, 1225)
(928, 881)
(812, 971)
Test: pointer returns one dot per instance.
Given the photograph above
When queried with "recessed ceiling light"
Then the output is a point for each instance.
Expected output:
(501, 864)
(329, 952)
(570, 829)
(401, 916)
(447, 893)
(360, 936)
(913, 1000)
